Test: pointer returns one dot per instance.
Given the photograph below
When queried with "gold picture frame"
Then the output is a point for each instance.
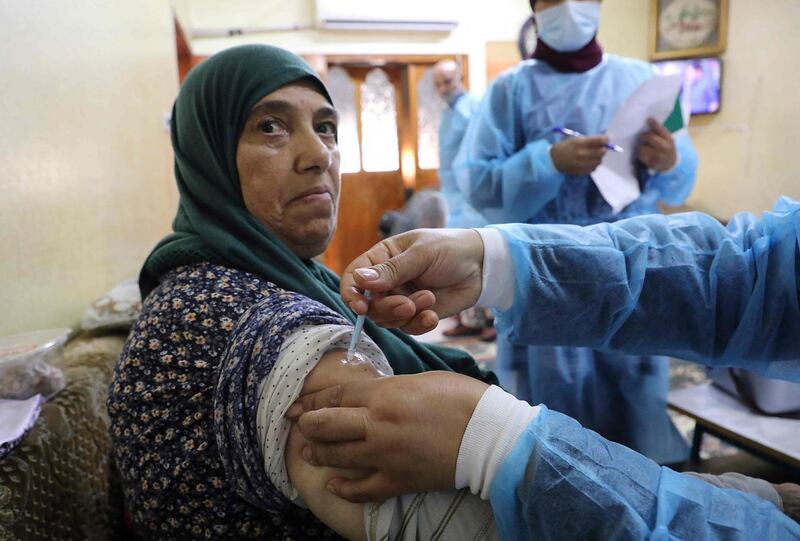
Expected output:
(687, 28)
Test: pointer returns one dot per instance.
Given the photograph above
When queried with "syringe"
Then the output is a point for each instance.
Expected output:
(359, 326)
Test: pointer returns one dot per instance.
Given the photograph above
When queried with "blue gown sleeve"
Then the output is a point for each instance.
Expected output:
(452, 128)
(562, 481)
(504, 177)
(680, 285)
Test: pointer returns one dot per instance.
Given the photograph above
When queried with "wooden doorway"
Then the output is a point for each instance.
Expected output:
(377, 170)
(368, 99)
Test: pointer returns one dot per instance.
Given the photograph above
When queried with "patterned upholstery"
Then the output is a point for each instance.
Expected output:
(59, 482)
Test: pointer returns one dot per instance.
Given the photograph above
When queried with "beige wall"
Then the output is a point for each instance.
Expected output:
(470, 36)
(85, 163)
(748, 151)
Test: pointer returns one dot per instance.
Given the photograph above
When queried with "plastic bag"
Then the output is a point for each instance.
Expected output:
(26, 364)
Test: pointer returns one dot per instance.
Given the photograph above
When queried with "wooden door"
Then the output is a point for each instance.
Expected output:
(368, 193)
(371, 179)
(425, 109)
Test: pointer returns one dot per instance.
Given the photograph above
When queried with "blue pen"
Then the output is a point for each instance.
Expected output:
(357, 331)
(573, 133)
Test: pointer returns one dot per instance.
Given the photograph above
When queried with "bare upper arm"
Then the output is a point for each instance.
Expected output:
(344, 517)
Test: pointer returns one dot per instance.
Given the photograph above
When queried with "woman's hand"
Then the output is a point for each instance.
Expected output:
(416, 278)
(406, 429)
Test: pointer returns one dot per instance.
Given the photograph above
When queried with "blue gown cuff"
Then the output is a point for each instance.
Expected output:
(505, 320)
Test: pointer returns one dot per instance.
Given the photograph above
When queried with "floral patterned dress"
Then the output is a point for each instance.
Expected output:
(179, 483)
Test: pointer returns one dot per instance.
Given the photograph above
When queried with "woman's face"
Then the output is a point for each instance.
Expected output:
(288, 163)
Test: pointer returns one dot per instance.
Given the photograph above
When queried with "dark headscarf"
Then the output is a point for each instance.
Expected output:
(578, 61)
(212, 223)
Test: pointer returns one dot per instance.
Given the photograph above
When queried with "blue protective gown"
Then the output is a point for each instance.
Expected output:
(452, 127)
(681, 285)
(504, 168)
(565, 482)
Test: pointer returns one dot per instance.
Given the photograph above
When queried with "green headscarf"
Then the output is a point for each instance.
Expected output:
(212, 223)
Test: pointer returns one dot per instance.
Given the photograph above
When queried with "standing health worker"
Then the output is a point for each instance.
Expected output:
(514, 168)
(461, 105)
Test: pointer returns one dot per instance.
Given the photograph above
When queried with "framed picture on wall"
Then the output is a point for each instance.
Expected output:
(687, 28)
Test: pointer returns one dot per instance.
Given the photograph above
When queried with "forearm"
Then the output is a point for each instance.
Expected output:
(681, 285)
(562, 481)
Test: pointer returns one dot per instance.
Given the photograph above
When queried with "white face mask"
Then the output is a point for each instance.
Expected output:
(569, 26)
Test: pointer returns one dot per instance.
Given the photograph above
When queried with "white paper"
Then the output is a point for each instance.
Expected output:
(616, 175)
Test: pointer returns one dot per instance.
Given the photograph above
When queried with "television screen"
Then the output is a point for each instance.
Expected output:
(700, 93)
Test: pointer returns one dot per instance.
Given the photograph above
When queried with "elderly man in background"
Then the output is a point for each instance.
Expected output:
(461, 105)
(513, 166)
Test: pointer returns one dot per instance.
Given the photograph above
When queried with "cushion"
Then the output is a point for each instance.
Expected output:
(116, 309)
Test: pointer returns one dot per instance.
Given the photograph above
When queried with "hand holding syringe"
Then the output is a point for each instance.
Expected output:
(359, 326)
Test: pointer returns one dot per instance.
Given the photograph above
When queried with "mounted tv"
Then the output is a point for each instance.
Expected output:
(702, 80)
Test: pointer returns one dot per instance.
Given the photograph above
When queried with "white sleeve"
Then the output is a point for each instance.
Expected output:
(497, 288)
(493, 430)
(300, 353)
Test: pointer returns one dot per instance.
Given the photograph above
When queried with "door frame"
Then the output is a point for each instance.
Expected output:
(412, 68)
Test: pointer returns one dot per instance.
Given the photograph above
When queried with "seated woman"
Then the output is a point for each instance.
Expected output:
(257, 167)
(238, 320)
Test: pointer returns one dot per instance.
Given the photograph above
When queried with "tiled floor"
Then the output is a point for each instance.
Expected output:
(483, 352)
(684, 374)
